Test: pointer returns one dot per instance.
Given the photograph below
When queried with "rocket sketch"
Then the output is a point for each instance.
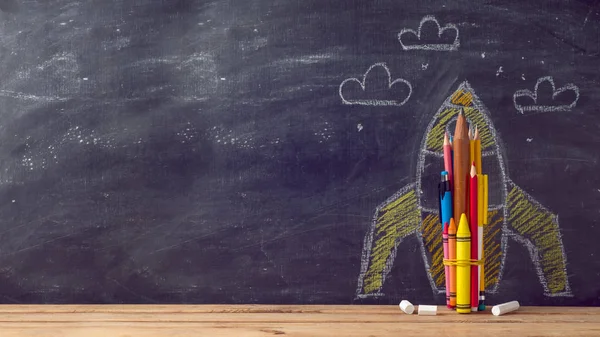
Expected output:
(413, 210)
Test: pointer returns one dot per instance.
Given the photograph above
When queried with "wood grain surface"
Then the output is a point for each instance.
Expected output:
(283, 320)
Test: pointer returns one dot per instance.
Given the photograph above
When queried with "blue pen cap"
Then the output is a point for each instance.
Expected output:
(445, 199)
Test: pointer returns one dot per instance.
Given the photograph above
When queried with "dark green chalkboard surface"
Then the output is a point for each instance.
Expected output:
(256, 151)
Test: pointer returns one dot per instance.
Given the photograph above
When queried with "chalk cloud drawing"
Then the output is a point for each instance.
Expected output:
(447, 36)
(512, 214)
(391, 86)
(526, 100)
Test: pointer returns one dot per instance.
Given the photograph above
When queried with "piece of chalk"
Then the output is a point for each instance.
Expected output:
(505, 308)
(427, 310)
(407, 307)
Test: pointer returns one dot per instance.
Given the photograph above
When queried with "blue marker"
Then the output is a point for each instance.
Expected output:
(445, 199)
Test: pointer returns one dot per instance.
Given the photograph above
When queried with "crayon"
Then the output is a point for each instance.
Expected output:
(463, 268)
(446, 267)
(452, 256)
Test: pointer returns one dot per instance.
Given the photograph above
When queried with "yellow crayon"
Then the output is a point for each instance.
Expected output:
(463, 268)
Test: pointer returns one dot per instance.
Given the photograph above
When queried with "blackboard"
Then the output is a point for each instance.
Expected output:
(276, 151)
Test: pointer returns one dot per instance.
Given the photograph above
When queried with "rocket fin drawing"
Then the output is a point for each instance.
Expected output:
(512, 213)
(395, 219)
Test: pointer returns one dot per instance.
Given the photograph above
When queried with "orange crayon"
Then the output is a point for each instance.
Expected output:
(452, 256)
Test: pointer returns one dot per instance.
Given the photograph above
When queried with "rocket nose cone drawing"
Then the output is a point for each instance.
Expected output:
(431, 159)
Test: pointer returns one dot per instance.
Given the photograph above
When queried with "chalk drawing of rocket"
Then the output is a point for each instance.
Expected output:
(514, 216)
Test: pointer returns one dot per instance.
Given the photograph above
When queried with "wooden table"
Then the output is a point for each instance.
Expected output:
(284, 320)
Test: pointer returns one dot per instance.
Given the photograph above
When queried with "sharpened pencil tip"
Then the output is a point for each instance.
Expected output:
(461, 129)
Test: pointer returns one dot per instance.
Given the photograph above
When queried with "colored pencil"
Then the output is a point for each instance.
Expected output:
(471, 159)
(480, 212)
(477, 150)
(480, 215)
(452, 256)
(474, 227)
(463, 269)
(448, 158)
(461, 166)
(484, 221)
(471, 149)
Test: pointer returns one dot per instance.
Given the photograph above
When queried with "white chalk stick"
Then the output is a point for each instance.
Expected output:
(407, 307)
(427, 310)
(505, 308)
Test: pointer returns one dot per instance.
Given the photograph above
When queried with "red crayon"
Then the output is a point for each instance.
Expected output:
(474, 247)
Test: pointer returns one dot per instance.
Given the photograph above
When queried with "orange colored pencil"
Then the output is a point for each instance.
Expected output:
(461, 166)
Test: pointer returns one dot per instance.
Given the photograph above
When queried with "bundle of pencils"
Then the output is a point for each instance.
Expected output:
(463, 213)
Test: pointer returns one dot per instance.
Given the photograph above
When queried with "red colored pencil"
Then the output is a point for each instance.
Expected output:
(448, 159)
(474, 246)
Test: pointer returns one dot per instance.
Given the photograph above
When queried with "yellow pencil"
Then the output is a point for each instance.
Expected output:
(485, 199)
(463, 269)
(484, 208)
(471, 149)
